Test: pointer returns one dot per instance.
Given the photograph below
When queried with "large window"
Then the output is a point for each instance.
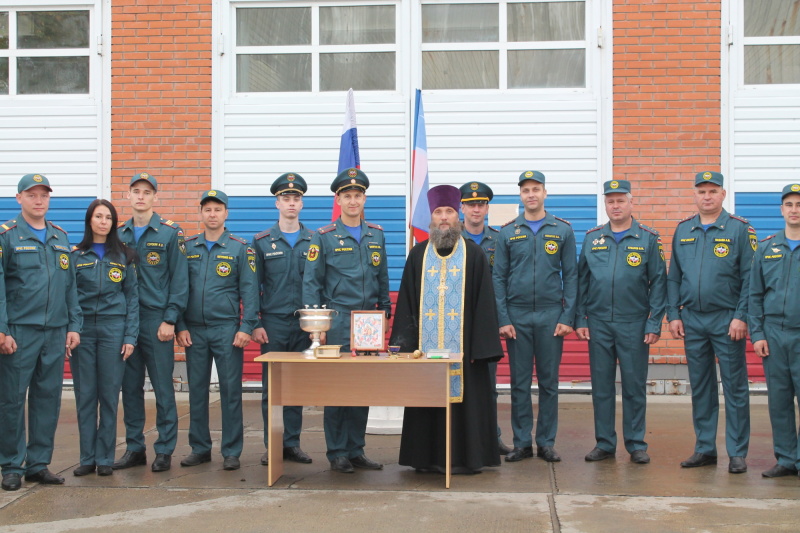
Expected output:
(316, 48)
(505, 45)
(44, 52)
(771, 42)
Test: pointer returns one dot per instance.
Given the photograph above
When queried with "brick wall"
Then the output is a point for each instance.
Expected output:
(161, 102)
(666, 112)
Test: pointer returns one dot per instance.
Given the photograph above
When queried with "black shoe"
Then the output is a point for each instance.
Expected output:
(230, 463)
(504, 450)
(162, 463)
(598, 454)
(640, 457)
(548, 453)
(342, 464)
(45, 477)
(699, 459)
(83, 470)
(737, 465)
(12, 481)
(130, 459)
(776, 471)
(104, 470)
(194, 459)
(362, 461)
(265, 459)
(518, 454)
(294, 453)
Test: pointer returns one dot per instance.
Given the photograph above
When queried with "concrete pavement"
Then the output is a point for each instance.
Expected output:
(571, 496)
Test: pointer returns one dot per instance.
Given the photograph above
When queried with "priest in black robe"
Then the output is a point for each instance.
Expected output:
(474, 419)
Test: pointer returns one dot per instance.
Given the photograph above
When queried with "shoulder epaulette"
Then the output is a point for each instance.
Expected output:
(261, 235)
(373, 226)
(768, 238)
(237, 239)
(7, 226)
(193, 237)
(169, 223)
(58, 227)
(594, 229)
(326, 229)
(648, 230)
(493, 229)
(509, 222)
(562, 220)
(740, 219)
(687, 219)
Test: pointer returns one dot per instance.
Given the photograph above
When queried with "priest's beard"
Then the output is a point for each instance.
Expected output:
(444, 239)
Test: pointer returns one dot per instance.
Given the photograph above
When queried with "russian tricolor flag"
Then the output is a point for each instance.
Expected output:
(348, 148)
(420, 212)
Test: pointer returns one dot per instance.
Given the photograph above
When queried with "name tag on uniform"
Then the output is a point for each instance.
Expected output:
(597, 248)
(688, 241)
(635, 248)
(518, 237)
(228, 257)
(552, 236)
(154, 244)
(60, 248)
(342, 250)
(195, 256)
(273, 255)
(722, 240)
(23, 249)
(375, 246)
(773, 257)
(84, 265)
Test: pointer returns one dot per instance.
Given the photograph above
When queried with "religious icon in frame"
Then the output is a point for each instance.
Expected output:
(368, 331)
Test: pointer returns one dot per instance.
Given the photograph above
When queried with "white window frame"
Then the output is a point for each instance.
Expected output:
(503, 45)
(92, 52)
(315, 49)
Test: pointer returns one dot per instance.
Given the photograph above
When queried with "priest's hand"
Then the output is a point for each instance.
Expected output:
(562, 330)
(508, 332)
(583, 333)
(322, 337)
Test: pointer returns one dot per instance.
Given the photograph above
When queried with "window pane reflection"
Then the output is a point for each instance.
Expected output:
(52, 29)
(53, 75)
(274, 26)
(773, 64)
(262, 73)
(460, 23)
(369, 71)
(357, 25)
(547, 21)
(474, 69)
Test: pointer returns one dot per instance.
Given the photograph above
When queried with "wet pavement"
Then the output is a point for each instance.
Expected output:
(570, 496)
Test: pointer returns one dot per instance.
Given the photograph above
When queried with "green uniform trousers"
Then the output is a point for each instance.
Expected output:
(535, 344)
(159, 360)
(707, 336)
(215, 343)
(284, 335)
(97, 369)
(782, 369)
(624, 342)
(35, 369)
(345, 427)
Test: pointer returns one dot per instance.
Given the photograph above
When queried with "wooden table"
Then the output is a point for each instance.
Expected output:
(295, 379)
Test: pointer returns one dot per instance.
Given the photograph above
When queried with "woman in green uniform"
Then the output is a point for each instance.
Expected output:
(109, 298)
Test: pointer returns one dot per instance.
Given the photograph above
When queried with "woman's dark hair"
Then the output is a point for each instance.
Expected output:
(114, 247)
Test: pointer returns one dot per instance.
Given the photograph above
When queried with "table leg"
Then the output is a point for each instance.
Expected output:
(275, 421)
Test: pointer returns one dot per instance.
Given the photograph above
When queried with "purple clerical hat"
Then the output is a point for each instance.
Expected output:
(444, 196)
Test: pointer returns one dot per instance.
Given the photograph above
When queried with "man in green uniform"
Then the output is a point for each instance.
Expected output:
(475, 198)
(222, 275)
(39, 317)
(708, 287)
(346, 271)
(774, 312)
(535, 280)
(622, 296)
(280, 262)
(163, 292)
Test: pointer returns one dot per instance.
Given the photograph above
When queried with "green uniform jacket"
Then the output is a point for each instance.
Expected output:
(280, 270)
(37, 280)
(774, 286)
(622, 281)
(218, 280)
(710, 270)
(536, 271)
(344, 274)
(108, 289)
(488, 243)
(162, 269)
